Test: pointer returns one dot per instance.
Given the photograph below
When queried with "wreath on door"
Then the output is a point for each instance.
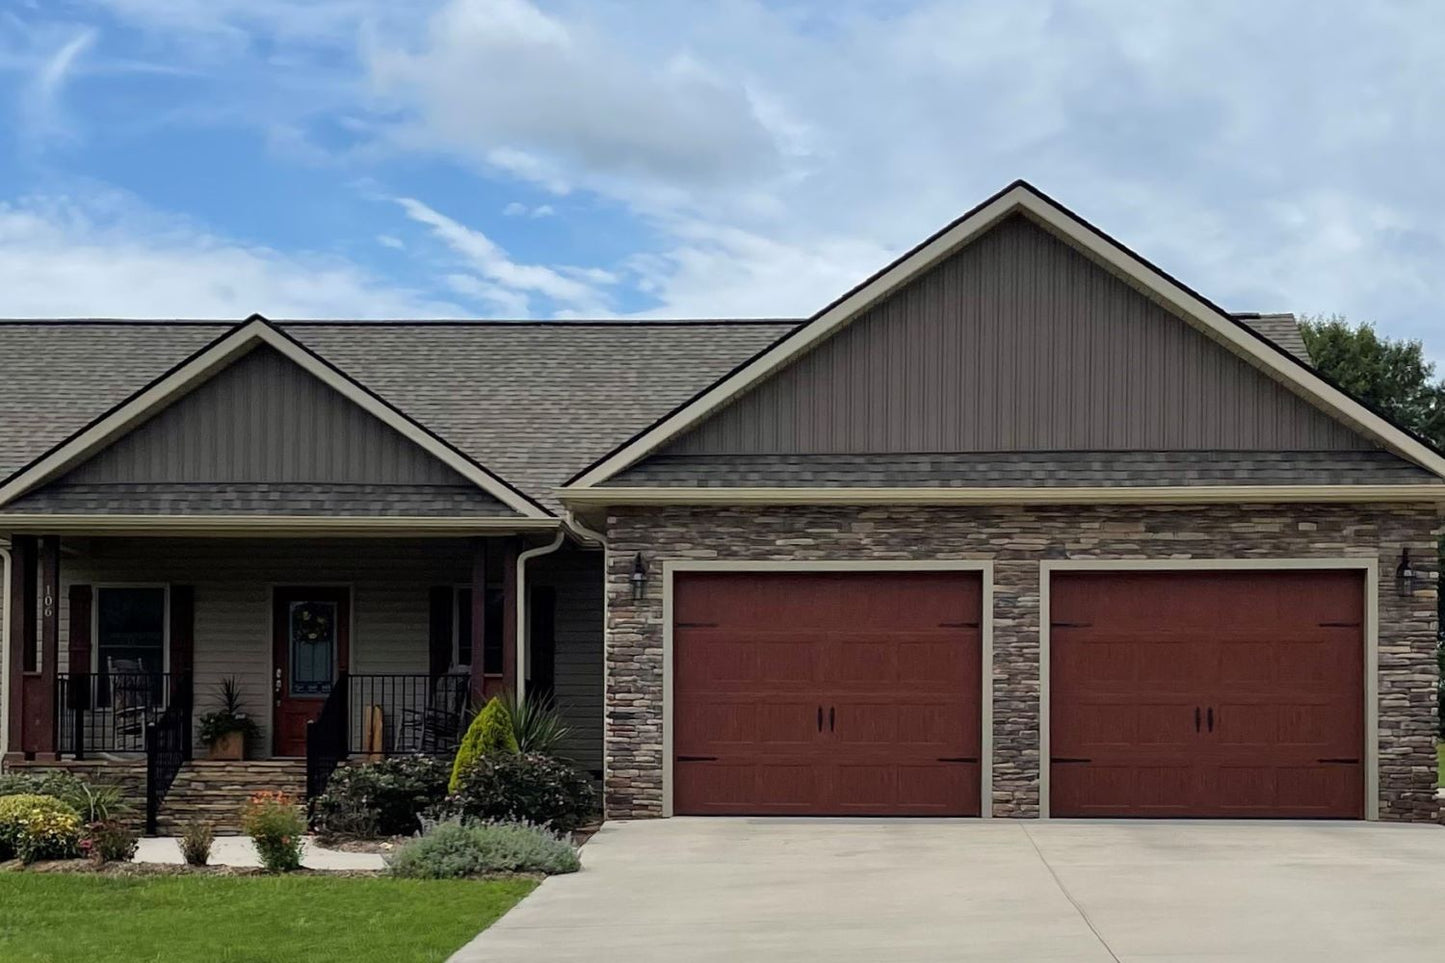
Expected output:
(313, 622)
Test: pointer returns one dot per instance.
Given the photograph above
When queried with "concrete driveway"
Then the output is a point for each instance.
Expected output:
(698, 890)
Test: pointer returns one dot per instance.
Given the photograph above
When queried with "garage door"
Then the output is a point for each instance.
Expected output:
(826, 693)
(1225, 694)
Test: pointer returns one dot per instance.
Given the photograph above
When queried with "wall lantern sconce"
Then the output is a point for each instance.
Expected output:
(1407, 577)
(639, 577)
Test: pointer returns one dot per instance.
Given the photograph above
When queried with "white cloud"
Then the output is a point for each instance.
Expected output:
(41, 108)
(556, 102)
(569, 289)
(103, 255)
(395, 243)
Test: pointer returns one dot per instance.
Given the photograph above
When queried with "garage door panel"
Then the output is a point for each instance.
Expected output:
(879, 686)
(1274, 662)
(775, 788)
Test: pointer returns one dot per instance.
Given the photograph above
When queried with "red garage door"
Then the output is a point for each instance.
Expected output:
(1227, 694)
(826, 693)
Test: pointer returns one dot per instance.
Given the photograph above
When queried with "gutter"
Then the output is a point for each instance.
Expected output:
(582, 531)
(6, 694)
(521, 620)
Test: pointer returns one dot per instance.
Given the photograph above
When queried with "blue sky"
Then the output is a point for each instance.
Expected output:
(521, 158)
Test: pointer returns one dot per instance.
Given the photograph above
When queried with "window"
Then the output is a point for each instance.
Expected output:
(492, 650)
(130, 631)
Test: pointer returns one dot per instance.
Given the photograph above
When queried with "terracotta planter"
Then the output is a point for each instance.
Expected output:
(230, 747)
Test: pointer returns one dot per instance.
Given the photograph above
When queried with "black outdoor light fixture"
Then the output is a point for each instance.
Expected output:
(639, 577)
(1406, 575)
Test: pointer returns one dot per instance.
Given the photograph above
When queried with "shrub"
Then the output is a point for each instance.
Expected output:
(95, 802)
(537, 724)
(451, 850)
(35, 827)
(196, 838)
(382, 798)
(523, 788)
(108, 841)
(276, 826)
(490, 732)
(229, 715)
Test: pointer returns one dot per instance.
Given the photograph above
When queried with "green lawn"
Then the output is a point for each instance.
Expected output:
(308, 919)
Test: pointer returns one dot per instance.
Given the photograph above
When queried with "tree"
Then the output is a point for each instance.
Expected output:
(1391, 375)
(1394, 377)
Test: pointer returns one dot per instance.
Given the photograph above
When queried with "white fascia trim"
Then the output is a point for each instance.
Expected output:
(1195, 311)
(1151, 495)
(1368, 565)
(670, 568)
(270, 524)
(201, 367)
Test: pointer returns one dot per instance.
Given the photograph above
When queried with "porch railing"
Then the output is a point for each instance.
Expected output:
(110, 711)
(372, 716)
(326, 738)
(167, 747)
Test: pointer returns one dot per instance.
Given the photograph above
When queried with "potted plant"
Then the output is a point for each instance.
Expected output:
(226, 729)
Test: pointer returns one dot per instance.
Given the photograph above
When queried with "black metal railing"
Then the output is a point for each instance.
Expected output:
(167, 748)
(375, 715)
(326, 738)
(110, 711)
(398, 715)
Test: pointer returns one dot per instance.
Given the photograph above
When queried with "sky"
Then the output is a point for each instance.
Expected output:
(702, 158)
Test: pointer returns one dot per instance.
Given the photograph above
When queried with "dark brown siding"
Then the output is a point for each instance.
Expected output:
(264, 419)
(1017, 343)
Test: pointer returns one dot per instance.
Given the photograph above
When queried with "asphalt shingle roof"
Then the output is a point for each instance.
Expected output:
(534, 402)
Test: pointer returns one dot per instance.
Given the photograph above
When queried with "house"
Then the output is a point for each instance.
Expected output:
(1019, 526)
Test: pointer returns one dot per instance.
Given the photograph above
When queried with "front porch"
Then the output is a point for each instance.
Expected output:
(343, 648)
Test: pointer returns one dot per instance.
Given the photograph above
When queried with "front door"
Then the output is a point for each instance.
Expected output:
(311, 643)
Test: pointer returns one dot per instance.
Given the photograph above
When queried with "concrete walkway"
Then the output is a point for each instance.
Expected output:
(238, 851)
(852, 890)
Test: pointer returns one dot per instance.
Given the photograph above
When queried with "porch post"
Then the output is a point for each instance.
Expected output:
(20, 632)
(514, 653)
(78, 689)
(479, 619)
(44, 738)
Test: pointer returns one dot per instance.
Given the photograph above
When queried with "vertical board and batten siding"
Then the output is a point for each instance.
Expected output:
(576, 576)
(264, 419)
(233, 582)
(1017, 342)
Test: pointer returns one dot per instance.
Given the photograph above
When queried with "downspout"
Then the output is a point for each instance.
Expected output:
(521, 601)
(583, 532)
(5, 694)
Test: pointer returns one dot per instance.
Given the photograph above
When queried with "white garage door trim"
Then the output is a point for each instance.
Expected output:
(985, 567)
(1369, 566)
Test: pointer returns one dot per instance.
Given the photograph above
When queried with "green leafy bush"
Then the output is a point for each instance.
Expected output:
(451, 850)
(34, 827)
(490, 732)
(276, 826)
(95, 802)
(522, 788)
(382, 798)
(229, 715)
(108, 841)
(196, 838)
(537, 724)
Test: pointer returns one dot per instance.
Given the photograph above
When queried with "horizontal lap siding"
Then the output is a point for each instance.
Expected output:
(233, 582)
(577, 578)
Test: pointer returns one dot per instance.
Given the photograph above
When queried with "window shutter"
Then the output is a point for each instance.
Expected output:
(439, 644)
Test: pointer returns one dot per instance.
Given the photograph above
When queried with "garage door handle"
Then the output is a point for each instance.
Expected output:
(832, 719)
(1342, 762)
(697, 758)
(820, 718)
(1210, 715)
(958, 759)
(1063, 760)
(1196, 718)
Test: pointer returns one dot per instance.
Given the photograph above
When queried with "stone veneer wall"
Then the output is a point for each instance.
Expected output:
(1017, 539)
(206, 789)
